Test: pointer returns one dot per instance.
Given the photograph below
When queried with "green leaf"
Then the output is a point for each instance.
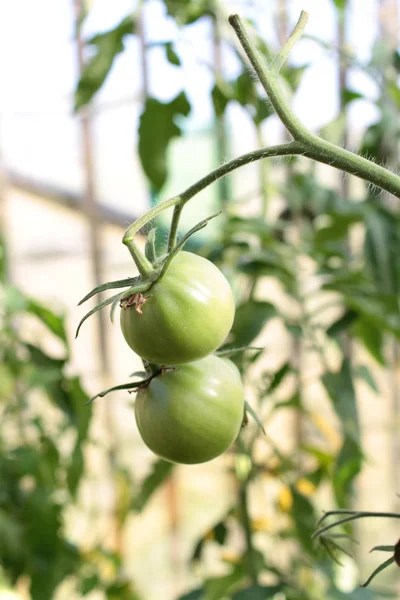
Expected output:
(156, 130)
(197, 594)
(220, 95)
(219, 587)
(341, 324)
(372, 337)
(55, 323)
(304, 519)
(347, 466)
(250, 319)
(364, 373)
(186, 13)
(340, 4)
(381, 246)
(341, 391)
(88, 584)
(349, 95)
(278, 377)
(158, 475)
(172, 56)
(258, 592)
(106, 47)
(75, 470)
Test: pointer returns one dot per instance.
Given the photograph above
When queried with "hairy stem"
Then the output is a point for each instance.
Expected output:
(289, 149)
(173, 232)
(314, 147)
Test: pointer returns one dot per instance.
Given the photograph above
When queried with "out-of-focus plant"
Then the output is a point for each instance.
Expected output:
(44, 427)
(361, 286)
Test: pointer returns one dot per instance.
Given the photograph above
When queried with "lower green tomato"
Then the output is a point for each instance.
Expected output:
(192, 413)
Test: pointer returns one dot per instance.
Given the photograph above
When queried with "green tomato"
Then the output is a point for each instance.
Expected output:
(192, 413)
(184, 316)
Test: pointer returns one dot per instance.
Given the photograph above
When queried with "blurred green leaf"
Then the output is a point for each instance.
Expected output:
(217, 533)
(381, 246)
(11, 536)
(159, 473)
(88, 584)
(219, 587)
(304, 519)
(340, 388)
(197, 594)
(364, 373)
(250, 319)
(341, 324)
(220, 94)
(75, 470)
(347, 466)
(121, 590)
(258, 592)
(186, 13)
(55, 323)
(349, 95)
(340, 4)
(156, 130)
(278, 377)
(172, 56)
(371, 336)
(106, 47)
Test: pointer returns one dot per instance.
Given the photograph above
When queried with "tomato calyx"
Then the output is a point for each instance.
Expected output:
(137, 300)
(155, 371)
(151, 270)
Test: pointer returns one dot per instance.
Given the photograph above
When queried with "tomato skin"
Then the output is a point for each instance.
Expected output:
(192, 414)
(187, 314)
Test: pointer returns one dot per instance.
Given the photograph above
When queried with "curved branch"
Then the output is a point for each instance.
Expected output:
(315, 147)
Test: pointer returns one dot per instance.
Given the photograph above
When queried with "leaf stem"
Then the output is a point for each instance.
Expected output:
(289, 149)
(313, 146)
(144, 266)
(282, 56)
(353, 517)
(173, 232)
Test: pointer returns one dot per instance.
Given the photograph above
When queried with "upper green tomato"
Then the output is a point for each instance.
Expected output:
(185, 316)
(193, 413)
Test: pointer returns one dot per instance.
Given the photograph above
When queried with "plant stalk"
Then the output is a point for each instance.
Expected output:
(250, 551)
(314, 146)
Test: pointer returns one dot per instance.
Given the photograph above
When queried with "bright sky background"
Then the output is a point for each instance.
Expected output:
(38, 135)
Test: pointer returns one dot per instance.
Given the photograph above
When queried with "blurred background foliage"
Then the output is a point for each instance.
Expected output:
(313, 260)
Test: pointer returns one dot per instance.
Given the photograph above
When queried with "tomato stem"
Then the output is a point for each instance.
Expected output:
(144, 266)
(304, 143)
(314, 147)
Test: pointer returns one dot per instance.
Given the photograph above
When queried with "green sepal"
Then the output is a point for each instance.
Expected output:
(96, 309)
(123, 386)
(129, 281)
(183, 241)
(381, 567)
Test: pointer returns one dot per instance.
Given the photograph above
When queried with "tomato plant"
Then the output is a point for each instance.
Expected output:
(193, 413)
(185, 316)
